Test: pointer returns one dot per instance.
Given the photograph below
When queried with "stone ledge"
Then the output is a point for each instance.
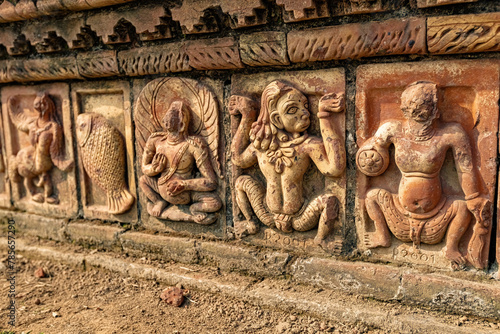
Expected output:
(159, 246)
(385, 283)
(243, 259)
(326, 304)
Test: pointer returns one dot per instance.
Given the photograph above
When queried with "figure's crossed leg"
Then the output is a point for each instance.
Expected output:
(204, 204)
(250, 194)
(321, 212)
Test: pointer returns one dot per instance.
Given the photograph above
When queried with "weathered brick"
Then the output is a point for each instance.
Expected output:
(39, 226)
(366, 279)
(243, 259)
(452, 295)
(214, 54)
(154, 60)
(433, 3)
(44, 69)
(101, 236)
(358, 40)
(98, 64)
(264, 49)
(464, 33)
(300, 10)
(159, 246)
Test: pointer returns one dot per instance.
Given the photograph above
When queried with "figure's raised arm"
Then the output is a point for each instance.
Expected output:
(329, 154)
(243, 154)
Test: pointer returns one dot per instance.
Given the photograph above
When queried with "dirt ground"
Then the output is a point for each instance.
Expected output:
(90, 300)
(96, 301)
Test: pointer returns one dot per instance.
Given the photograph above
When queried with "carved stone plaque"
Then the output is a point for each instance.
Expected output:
(180, 155)
(103, 131)
(427, 161)
(288, 156)
(37, 122)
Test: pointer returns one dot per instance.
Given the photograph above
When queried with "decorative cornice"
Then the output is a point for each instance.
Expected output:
(264, 49)
(214, 54)
(154, 60)
(61, 68)
(371, 39)
(30, 9)
(453, 34)
(464, 33)
(98, 64)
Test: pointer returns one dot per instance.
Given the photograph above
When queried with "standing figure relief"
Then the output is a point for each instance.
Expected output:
(177, 130)
(277, 140)
(34, 163)
(420, 212)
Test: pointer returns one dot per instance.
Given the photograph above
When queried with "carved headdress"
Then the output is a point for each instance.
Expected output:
(155, 100)
(264, 133)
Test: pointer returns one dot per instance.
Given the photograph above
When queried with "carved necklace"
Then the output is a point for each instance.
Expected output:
(426, 133)
(283, 156)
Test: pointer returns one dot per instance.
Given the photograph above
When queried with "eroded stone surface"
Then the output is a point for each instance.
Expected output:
(4, 71)
(127, 25)
(199, 16)
(105, 147)
(264, 49)
(363, 6)
(358, 40)
(29, 9)
(419, 197)
(464, 33)
(44, 69)
(433, 3)
(213, 54)
(154, 60)
(55, 35)
(299, 185)
(300, 10)
(177, 140)
(40, 149)
(98, 64)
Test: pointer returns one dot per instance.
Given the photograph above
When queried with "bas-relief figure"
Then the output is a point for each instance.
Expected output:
(46, 149)
(279, 143)
(419, 212)
(102, 151)
(177, 117)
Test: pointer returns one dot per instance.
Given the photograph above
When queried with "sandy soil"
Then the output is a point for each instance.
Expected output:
(71, 300)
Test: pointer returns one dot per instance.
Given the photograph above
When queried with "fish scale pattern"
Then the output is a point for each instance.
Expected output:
(103, 157)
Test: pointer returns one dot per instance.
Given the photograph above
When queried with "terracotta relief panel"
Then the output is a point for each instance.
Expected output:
(103, 132)
(427, 161)
(180, 155)
(39, 146)
(288, 156)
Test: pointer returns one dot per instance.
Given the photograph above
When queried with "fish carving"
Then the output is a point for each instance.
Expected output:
(103, 155)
